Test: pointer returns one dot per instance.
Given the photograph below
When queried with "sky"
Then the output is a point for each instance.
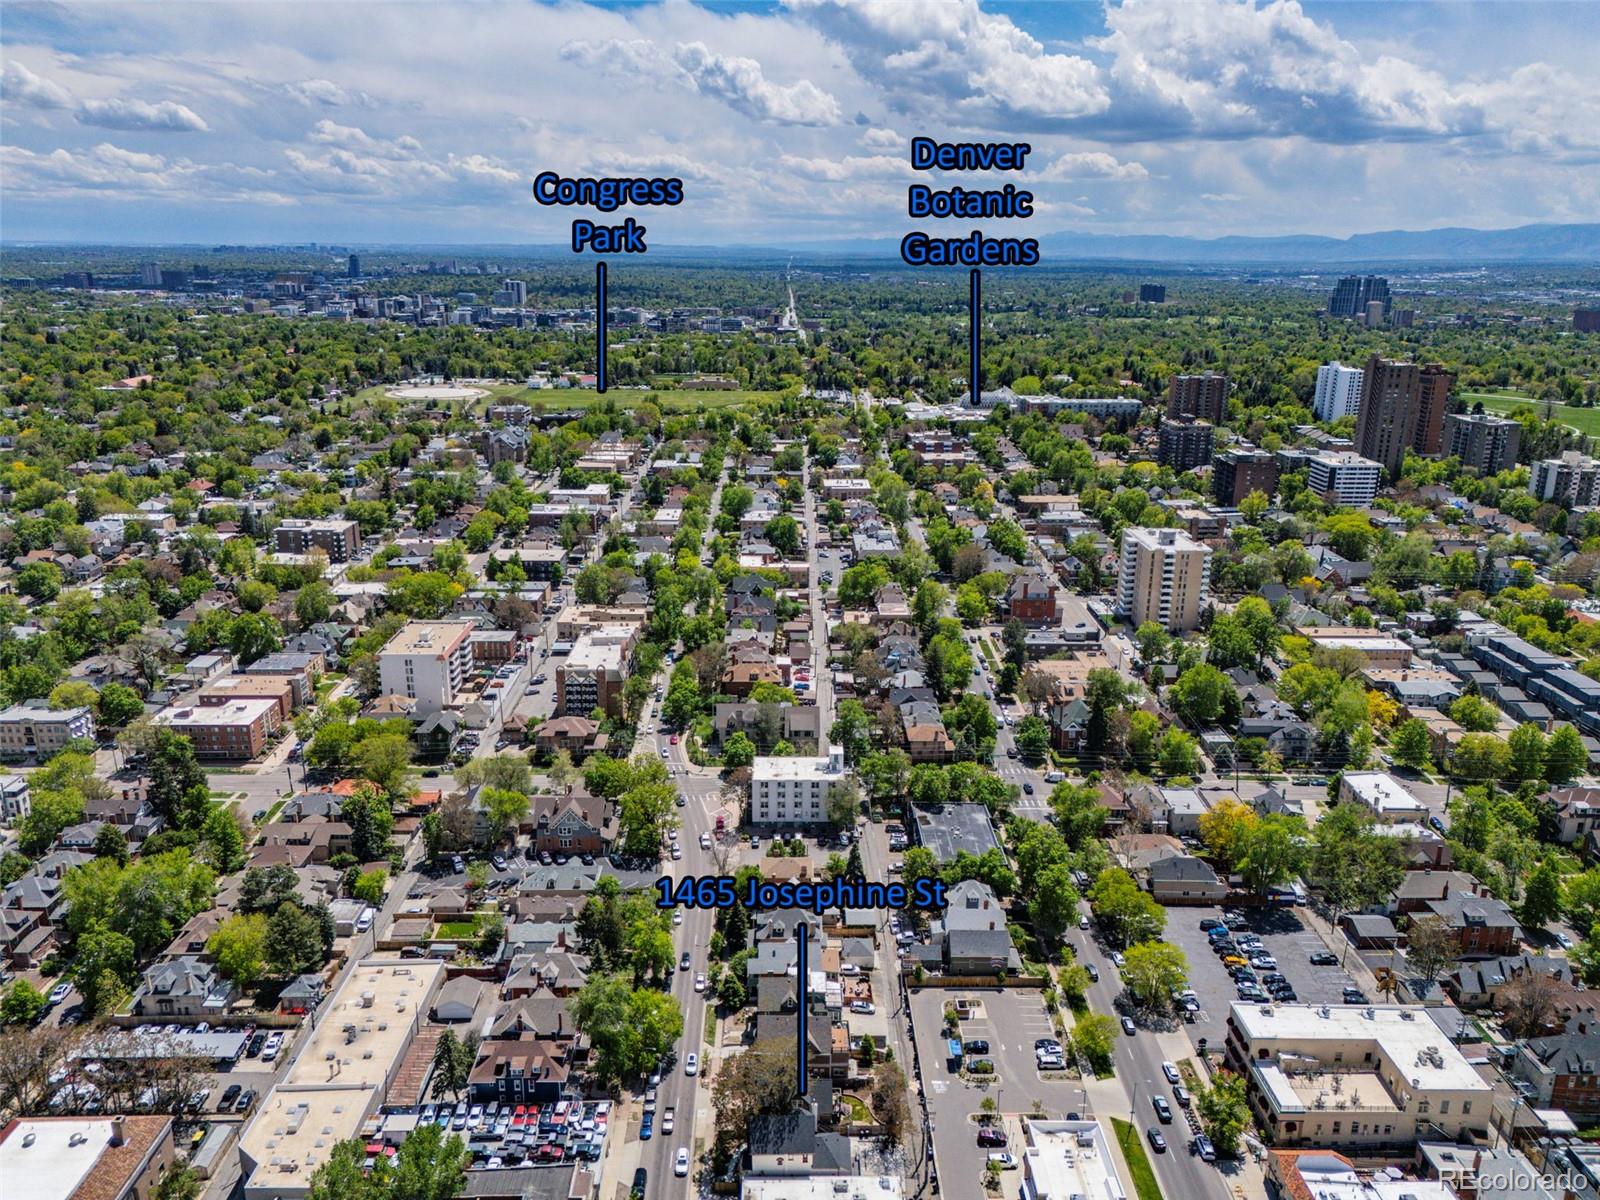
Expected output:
(789, 122)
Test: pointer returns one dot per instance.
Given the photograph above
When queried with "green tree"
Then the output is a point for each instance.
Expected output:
(1541, 901)
(1525, 751)
(1564, 756)
(384, 759)
(119, 704)
(178, 789)
(293, 941)
(1126, 913)
(739, 751)
(1033, 738)
(1274, 852)
(1154, 972)
(852, 731)
(313, 603)
(239, 948)
(430, 1165)
(1177, 752)
(21, 1004)
(505, 809)
(452, 1065)
(369, 885)
(1411, 745)
(1481, 756)
(1204, 696)
(103, 968)
(1224, 1110)
(111, 842)
(371, 821)
(223, 840)
(1474, 714)
(1094, 1036)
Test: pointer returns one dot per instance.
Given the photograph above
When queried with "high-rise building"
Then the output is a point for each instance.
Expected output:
(1353, 293)
(1237, 473)
(1338, 391)
(790, 791)
(1404, 318)
(518, 289)
(1569, 478)
(352, 266)
(1341, 477)
(1165, 577)
(428, 661)
(1185, 444)
(1486, 443)
(149, 274)
(1374, 314)
(1153, 293)
(1202, 396)
(1586, 320)
(1402, 408)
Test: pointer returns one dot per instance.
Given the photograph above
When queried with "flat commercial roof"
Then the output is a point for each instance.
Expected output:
(821, 1187)
(952, 827)
(1062, 1159)
(367, 1025)
(1402, 1033)
(54, 1158)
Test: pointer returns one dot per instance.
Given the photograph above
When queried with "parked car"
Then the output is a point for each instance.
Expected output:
(1163, 1109)
(1324, 958)
(246, 1099)
(862, 1006)
(1002, 1160)
(229, 1095)
(59, 993)
(975, 1046)
(1181, 1095)
(1171, 1072)
(989, 1136)
(1203, 1147)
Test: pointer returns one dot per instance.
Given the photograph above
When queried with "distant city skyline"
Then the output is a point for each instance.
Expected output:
(789, 122)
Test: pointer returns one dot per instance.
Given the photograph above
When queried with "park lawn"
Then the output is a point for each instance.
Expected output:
(1144, 1176)
(1584, 420)
(496, 391)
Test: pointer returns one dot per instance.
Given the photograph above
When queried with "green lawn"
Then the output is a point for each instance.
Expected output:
(858, 1111)
(1584, 420)
(457, 930)
(711, 1026)
(272, 813)
(1144, 1176)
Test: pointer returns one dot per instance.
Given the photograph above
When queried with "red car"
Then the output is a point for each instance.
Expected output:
(991, 1137)
(674, 739)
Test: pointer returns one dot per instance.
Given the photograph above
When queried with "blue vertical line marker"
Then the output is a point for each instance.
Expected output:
(600, 326)
(805, 1004)
(975, 320)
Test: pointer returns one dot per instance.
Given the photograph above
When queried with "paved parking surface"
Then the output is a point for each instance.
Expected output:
(1285, 937)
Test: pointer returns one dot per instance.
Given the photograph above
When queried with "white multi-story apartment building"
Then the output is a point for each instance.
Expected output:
(1339, 1076)
(1338, 392)
(791, 791)
(1343, 476)
(1164, 577)
(428, 661)
(31, 730)
(15, 801)
(1570, 478)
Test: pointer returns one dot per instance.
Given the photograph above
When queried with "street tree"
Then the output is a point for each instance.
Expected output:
(1154, 972)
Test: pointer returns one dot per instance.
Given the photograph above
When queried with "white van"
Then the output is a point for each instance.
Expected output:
(1055, 777)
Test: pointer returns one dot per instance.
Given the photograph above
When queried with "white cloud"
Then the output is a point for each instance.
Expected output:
(326, 94)
(1093, 164)
(926, 52)
(21, 86)
(141, 115)
(742, 86)
(878, 166)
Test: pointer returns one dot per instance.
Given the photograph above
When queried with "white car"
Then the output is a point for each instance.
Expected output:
(705, 841)
(60, 992)
(699, 981)
(680, 1164)
(691, 1064)
(677, 916)
(364, 921)
(669, 1118)
(862, 1006)
(1171, 1072)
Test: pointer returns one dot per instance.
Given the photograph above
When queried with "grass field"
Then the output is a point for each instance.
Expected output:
(1584, 420)
(1144, 1176)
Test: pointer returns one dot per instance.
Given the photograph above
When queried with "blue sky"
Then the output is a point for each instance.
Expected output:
(789, 120)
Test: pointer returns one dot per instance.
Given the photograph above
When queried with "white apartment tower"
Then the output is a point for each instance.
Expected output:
(428, 661)
(787, 792)
(1338, 392)
(1165, 577)
(1570, 478)
(1343, 477)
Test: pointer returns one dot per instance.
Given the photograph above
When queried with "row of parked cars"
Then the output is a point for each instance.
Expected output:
(503, 1135)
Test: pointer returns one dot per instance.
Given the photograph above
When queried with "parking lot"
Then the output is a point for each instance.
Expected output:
(1010, 1021)
(1283, 935)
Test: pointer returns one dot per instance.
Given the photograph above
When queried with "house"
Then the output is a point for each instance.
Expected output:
(789, 1144)
(1577, 812)
(575, 824)
(1482, 984)
(980, 952)
(184, 987)
(1418, 889)
(1484, 926)
(1031, 599)
(1183, 879)
(1564, 1071)
(1371, 931)
(519, 1071)
(973, 905)
(574, 734)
